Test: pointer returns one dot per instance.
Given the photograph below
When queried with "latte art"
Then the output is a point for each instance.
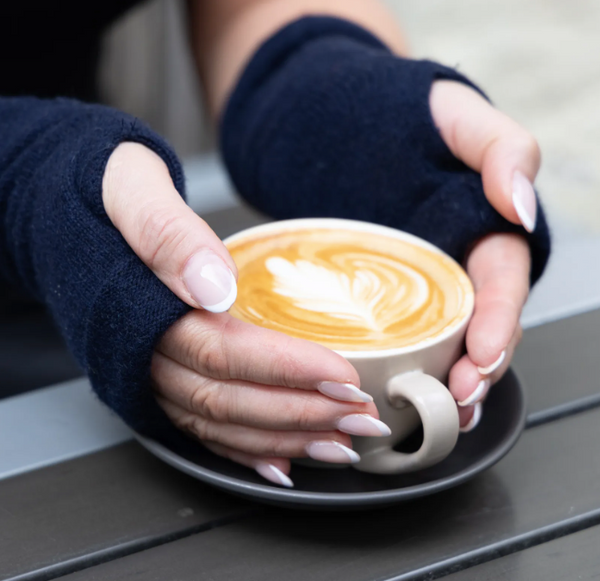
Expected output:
(345, 289)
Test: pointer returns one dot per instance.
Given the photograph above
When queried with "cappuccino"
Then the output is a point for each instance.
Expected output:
(347, 285)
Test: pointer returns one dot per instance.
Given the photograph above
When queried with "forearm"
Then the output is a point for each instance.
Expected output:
(225, 33)
(57, 243)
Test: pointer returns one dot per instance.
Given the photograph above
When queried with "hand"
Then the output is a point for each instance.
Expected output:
(508, 158)
(250, 394)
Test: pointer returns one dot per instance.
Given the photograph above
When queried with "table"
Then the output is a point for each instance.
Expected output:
(79, 500)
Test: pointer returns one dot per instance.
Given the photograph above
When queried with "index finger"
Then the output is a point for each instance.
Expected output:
(499, 268)
(490, 142)
(223, 347)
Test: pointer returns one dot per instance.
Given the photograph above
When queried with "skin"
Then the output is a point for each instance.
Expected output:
(229, 383)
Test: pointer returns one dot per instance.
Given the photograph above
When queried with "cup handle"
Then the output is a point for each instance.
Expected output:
(439, 416)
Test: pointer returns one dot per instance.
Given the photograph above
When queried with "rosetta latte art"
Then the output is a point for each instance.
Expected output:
(347, 290)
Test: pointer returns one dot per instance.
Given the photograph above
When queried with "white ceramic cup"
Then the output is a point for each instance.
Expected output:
(407, 383)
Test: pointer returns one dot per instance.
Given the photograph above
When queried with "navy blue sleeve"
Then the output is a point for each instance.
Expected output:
(326, 121)
(58, 245)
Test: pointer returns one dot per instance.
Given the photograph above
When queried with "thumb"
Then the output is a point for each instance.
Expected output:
(491, 143)
(176, 244)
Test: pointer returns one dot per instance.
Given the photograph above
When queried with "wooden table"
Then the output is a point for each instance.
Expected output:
(119, 513)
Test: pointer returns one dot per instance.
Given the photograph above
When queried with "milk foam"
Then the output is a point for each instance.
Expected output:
(347, 290)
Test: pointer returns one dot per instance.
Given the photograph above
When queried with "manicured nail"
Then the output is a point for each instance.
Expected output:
(330, 451)
(478, 394)
(273, 474)
(523, 197)
(477, 410)
(343, 392)
(210, 282)
(363, 425)
(491, 368)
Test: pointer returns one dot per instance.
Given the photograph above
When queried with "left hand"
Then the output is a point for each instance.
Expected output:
(508, 158)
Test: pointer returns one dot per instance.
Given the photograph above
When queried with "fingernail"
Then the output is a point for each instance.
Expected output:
(363, 425)
(273, 474)
(523, 197)
(477, 410)
(491, 368)
(330, 451)
(210, 282)
(343, 392)
(478, 394)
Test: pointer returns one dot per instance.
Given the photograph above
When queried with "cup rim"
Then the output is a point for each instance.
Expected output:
(362, 226)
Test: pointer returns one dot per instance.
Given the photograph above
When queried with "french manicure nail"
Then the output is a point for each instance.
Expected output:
(363, 425)
(210, 282)
(331, 451)
(477, 411)
(523, 197)
(491, 368)
(478, 394)
(273, 474)
(343, 392)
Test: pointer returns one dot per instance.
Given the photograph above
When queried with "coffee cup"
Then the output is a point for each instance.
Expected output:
(395, 306)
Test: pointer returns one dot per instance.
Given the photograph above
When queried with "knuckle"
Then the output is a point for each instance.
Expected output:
(531, 147)
(285, 368)
(313, 414)
(201, 428)
(277, 446)
(305, 417)
(201, 344)
(208, 355)
(161, 233)
(211, 403)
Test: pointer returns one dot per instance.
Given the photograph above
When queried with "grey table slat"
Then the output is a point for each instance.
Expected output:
(576, 556)
(559, 361)
(549, 484)
(106, 501)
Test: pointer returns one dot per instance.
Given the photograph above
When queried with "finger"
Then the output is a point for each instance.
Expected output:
(329, 446)
(261, 406)
(275, 470)
(468, 386)
(491, 143)
(499, 268)
(165, 233)
(222, 347)
(470, 417)
(465, 380)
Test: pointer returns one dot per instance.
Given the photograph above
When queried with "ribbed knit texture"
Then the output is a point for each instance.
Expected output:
(326, 121)
(58, 244)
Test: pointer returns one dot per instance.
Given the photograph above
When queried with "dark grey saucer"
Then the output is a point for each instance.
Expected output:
(501, 425)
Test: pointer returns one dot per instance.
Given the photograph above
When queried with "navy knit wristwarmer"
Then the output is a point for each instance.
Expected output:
(58, 244)
(326, 121)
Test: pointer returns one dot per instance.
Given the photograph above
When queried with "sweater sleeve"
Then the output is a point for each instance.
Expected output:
(326, 121)
(58, 245)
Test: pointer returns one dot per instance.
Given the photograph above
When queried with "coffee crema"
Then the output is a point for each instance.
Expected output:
(349, 290)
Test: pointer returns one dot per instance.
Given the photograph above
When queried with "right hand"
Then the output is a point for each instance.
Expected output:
(250, 394)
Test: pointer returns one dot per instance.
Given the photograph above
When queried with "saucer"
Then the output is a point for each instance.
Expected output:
(501, 424)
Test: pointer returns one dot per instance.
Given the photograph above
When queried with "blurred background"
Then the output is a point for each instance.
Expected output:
(537, 59)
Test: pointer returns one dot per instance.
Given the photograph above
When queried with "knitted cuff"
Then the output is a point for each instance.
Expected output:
(110, 307)
(132, 308)
(326, 121)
